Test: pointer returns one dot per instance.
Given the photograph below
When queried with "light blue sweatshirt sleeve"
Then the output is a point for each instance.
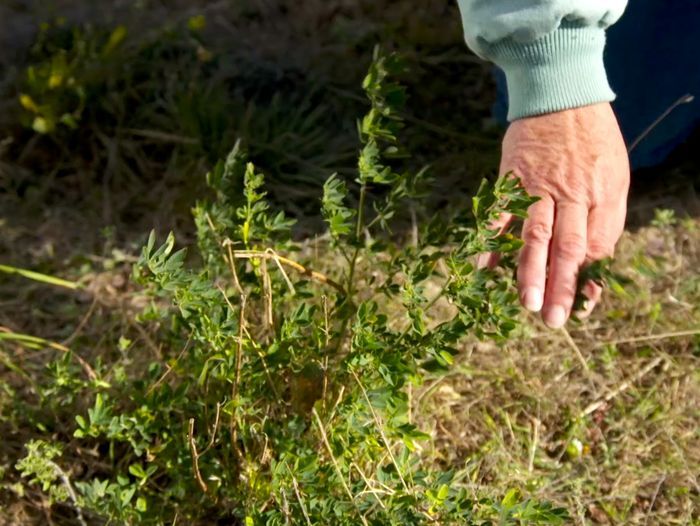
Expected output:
(550, 50)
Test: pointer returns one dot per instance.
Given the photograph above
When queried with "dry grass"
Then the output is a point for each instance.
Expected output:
(602, 419)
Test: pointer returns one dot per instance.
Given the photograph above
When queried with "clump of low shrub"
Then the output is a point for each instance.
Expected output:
(283, 396)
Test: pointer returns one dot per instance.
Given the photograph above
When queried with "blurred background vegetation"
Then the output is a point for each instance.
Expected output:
(111, 113)
(115, 111)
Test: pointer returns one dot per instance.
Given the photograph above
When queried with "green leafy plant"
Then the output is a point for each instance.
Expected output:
(602, 274)
(65, 67)
(283, 397)
(40, 468)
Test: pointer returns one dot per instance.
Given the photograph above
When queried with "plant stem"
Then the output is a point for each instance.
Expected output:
(380, 428)
(336, 466)
(358, 231)
(350, 287)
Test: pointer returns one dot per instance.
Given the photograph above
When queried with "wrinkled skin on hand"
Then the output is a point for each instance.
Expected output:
(577, 163)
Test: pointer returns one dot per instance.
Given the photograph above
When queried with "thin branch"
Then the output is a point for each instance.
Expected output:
(71, 492)
(214, 431)
(237, 378)
(146, 338)
(380, 428)
(169, 368)
(579, 356)
(83, 322)
(653, 499)
(533, 446)
(336, 466)
(232, 263)
(285, 508)
(195, 458)
(298, 494)
(161, 136)
(327, 333)
(373, 491)
(685, 99)
(339, 398)
(576, 350)
(257, 349)
(276, 259)
(267, 295)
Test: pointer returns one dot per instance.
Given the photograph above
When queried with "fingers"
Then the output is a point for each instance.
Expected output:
(532, 267)
(567, 254)
(605, 227)
(593, 293)
(490, 259)
(557, 243)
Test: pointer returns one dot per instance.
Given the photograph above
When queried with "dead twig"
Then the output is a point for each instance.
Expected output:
(146, 338)
(232, 264)
(65, 479)
(576, 350)
(685, 99)
(196, 455)
(533, 446)
(195, 458)
(370, 489)
(264, 364)
(592, 408)
(267, 295)
(316, 276)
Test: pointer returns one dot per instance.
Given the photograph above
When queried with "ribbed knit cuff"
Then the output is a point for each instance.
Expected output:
(559, 71)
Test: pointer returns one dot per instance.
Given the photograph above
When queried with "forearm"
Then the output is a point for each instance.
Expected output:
(550, 50)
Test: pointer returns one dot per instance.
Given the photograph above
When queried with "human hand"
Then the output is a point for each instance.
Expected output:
(576, 162)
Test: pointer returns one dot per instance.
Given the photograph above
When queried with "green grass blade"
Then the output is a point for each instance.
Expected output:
(42, 278)
(31, 341)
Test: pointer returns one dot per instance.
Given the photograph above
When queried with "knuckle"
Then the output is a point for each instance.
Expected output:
(571, 247)
(563, 290)
(599, 250)
(537, 232)
(567, 290)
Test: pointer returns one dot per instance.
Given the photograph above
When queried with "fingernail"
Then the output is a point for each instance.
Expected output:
(532, 299)
(555, 317)
(482, 260)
